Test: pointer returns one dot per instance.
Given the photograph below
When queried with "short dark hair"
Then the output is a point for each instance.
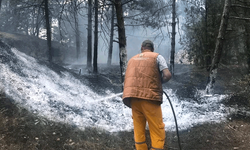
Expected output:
(148, 44)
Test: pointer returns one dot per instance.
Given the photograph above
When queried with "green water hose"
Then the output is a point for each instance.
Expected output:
(176, 125)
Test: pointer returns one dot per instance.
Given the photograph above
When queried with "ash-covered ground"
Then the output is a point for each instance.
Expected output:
(47, 106)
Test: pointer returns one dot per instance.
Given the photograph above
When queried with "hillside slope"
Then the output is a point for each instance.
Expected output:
(37, 48)
(22, 129)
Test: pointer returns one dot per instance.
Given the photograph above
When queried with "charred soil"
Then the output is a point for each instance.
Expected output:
(23, 130)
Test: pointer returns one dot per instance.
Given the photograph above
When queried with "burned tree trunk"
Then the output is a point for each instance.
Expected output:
(247, 27)
(77, 30)
(0, 4)
(89, 50)
(219, 45)
(46, 7)
(122, 38)
(95, 38)
(173, 39)
(247, 33)
(111, 37)
(208, 58)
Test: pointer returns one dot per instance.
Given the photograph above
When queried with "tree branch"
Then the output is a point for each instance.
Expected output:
(116, 41)
(236, 5)
(234, 17)
(127, 2)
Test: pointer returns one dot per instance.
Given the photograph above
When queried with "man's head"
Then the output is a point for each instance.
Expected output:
(147, 44)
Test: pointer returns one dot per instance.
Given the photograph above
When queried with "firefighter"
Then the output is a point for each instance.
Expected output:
(143, 93)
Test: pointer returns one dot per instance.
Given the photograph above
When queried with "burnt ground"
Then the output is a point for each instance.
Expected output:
(22, 130)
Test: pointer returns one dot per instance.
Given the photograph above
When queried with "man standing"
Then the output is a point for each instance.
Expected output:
(143, 93)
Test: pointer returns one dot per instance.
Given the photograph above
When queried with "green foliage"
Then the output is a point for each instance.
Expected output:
(201, 29)
(244, 89)
(244, 83)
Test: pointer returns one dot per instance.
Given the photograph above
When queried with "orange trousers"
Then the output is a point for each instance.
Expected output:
(147, 111)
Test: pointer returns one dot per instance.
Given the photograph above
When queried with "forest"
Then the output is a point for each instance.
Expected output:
(206, 44)
(80, 24)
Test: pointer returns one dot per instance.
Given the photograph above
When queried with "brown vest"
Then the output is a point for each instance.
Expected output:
(143, 78)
